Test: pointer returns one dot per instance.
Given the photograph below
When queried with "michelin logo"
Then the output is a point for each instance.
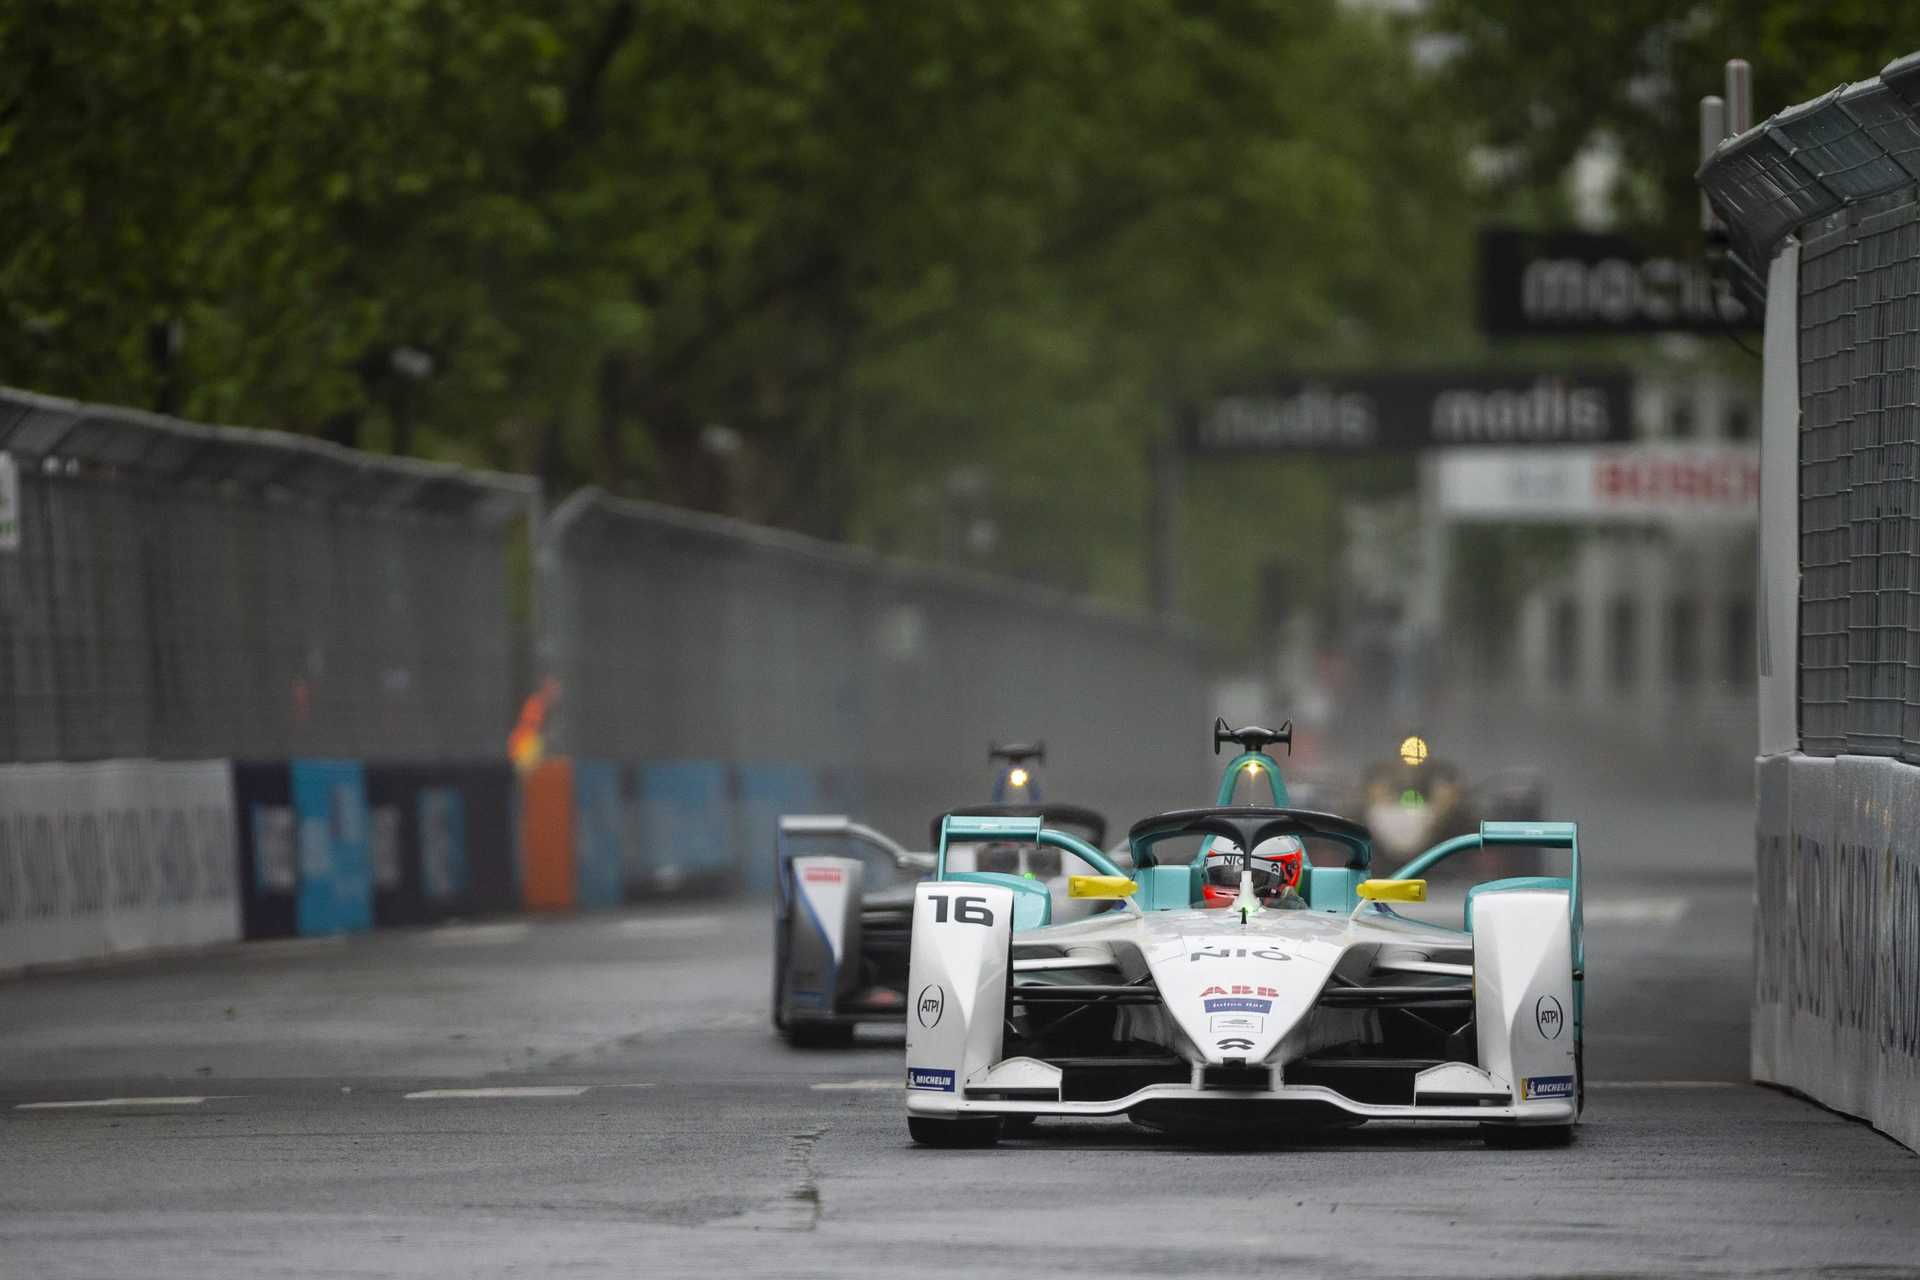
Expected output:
(930, 1078)
(1546, 1087)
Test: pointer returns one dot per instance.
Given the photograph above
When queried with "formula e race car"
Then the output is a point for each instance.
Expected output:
(1412, 798)
(1305, 1002)
(844, 902)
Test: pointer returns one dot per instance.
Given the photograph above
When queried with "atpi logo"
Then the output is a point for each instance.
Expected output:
(1548, 1018)
(931, 1004)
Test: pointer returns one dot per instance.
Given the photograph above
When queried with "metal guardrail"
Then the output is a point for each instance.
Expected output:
(184, 591)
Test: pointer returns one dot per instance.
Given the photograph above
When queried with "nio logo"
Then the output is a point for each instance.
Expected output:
(1548, 1018)
(1234, 1044)
(1238, 953)
(931, 1004)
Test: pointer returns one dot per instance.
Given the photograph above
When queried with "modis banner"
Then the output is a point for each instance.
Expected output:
(1409, 412)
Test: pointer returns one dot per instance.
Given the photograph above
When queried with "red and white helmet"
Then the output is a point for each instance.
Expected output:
(1277, 867)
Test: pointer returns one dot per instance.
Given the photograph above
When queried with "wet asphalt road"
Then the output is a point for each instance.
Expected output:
(673, 1135)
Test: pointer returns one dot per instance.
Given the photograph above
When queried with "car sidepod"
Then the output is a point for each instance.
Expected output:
(1524, 1001)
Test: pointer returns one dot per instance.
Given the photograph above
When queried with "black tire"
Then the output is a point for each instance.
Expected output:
(1526, 1137)
(974, 1131)
(779, 971)
(818, 1035)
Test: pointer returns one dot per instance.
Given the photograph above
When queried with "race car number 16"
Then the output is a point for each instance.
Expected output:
(965, 910)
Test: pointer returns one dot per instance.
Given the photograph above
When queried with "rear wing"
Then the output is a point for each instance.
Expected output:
(1536, 835)
(839, 826)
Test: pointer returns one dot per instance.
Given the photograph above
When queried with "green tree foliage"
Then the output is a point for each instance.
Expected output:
(1550, 80)
(798, 260)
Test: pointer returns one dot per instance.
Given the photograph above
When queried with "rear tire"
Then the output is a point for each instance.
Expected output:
(974, 1131)
(818, 1035)
(1526, 1137)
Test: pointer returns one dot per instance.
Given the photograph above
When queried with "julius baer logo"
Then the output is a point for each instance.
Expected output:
(1239, 998)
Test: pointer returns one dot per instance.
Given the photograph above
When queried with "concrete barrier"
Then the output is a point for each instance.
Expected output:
(113, 856)
(1836, 1011)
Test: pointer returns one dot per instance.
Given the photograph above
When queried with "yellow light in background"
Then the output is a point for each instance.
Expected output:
(1414, 750)
(1018, 778)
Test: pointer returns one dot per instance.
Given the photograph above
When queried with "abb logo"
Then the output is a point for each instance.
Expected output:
(823, 875)
(1239, 989)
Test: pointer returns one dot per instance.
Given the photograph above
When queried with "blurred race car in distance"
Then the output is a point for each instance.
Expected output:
(1411, 800)
(843, 903)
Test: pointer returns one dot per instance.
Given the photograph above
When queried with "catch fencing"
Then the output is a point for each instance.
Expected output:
(182, 591)
(1860, 485)
(1822, 203)
(712, 665)
(339, 643)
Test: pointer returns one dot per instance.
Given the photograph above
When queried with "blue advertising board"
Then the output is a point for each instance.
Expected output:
(598, 830)
(766, 792)
(684, 827)
(336, 855)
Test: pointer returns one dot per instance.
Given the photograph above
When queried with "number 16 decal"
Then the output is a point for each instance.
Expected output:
(965, 910)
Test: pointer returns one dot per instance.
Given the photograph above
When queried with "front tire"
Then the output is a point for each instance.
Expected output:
(818, 1035)
(974, 1131)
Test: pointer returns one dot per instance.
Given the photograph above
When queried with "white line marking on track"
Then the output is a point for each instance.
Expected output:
(476, 935)
(669, 924)
(858, 1084)
(111, 1102)
(1662, 911)
(293, 946)
(522, 1091)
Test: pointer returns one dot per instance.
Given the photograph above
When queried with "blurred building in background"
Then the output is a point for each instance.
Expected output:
(1648, 634)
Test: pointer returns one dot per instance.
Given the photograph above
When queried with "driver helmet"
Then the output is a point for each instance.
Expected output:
(1277, 866)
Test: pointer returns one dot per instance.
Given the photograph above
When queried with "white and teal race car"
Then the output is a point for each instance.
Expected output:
(1275, 1013)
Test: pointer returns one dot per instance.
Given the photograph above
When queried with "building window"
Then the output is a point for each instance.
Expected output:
(1565, 643)
(1622, 628)
(1683, 641)
(1739, 420)
(1740, 646)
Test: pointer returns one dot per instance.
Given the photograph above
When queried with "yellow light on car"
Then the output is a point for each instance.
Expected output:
(1253, 766)
(1413, 751)
(1099, 886)
(1018, 778)
(1392, 890)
